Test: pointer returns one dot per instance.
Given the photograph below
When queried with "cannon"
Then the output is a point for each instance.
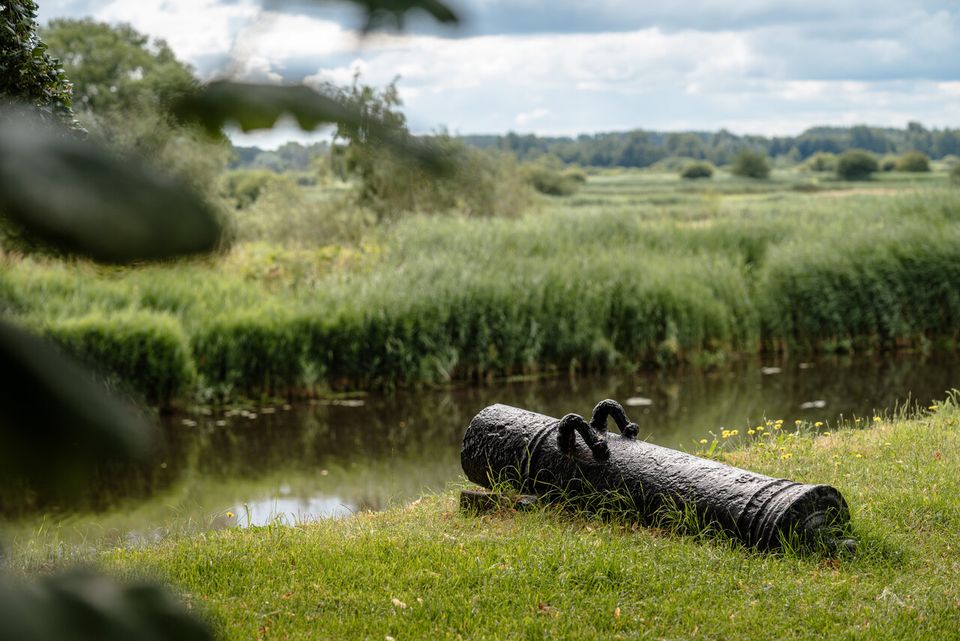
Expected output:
(541, 456)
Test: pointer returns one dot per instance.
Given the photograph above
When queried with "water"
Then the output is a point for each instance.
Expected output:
(333, 458)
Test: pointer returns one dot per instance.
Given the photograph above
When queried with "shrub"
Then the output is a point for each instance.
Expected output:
(955, 174)
(242, 187)
(913, 161)
(551, 181)
(697, 170)
(821, 161)
(750, 164)
(856, 164)
(888, 163)
(576, 175)
(259, 350)
(142, 352)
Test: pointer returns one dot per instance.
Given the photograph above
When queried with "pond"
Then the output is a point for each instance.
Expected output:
(335, 457)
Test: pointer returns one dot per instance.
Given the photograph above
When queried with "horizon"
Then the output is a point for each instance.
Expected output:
(561, 70)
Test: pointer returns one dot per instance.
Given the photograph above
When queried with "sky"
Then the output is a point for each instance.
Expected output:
(560, 67)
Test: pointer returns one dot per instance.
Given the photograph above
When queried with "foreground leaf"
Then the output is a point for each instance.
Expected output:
(252, 106)
(81, 605)
(77, 197)
(392, 13)
(57, 422)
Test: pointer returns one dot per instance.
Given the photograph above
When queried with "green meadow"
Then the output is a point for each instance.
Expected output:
(636, 269)
(429, 571)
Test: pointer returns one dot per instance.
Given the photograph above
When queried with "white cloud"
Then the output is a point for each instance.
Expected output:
(193, 28)
(559, 66)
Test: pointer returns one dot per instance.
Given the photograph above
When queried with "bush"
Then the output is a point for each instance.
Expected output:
(242, 187)
(141, 352)
(888, 163)
(576, 174)
(821, 161)
(697, 170)
(913, 161)
(955, 174)
(856, 164)
(750, 164)
(551, 181)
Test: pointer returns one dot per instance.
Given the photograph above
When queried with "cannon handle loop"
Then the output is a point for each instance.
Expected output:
(596, 440)
(611, 409)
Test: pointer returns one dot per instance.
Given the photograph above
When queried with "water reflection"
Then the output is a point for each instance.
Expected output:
(334, 458)
(286, 511)
(377, 451)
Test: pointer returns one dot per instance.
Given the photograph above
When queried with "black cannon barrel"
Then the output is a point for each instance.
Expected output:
(541, 455)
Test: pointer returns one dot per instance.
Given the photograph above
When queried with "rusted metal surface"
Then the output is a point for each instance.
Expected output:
(574, 460)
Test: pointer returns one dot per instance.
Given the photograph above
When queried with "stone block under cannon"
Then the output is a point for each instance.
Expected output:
(538, 455)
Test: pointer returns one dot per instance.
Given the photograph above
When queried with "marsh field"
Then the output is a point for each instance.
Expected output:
(637, 269)
(313, 396)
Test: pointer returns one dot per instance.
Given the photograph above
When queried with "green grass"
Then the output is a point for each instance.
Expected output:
(426, 571)
(639, 268)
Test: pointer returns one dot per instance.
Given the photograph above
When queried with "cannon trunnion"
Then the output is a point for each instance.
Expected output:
(541, 455)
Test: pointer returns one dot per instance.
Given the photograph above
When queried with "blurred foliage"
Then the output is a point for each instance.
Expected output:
(955, 174)
(750, 164)
(28, 73)
(696, 170)
(821, 161)
(48, 399)
(913, 161)
(888, 162)
(551, 180)
(76, 196)
(290, 156)
(83, 606)
(856, 164)
(284, 212)
(474, 182)
(392, 13)
(242, 187)
(125, 86)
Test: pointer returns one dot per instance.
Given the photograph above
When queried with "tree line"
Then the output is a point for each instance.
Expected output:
(640, 148)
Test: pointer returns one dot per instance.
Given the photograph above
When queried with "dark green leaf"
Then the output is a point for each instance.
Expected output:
(381, 14)
(82, 605)
(391, 13)
(251, 106)
(57, 422)
(78, 197)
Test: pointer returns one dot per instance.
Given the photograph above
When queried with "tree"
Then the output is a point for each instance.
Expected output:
(856, 164)
(750, 164)
(28, 73)
(125, 87)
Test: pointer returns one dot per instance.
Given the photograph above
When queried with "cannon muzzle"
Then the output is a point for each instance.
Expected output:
(543, 456)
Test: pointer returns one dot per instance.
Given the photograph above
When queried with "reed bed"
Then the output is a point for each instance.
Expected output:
(569, 286)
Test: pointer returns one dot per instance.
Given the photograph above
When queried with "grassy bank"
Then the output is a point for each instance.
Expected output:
(610, 277)
(428, 572)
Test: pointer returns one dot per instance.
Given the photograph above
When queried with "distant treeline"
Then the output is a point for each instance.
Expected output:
(291, 156)
(641, 148)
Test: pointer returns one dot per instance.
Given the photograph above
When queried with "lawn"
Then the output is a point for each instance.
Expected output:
(427, 571)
